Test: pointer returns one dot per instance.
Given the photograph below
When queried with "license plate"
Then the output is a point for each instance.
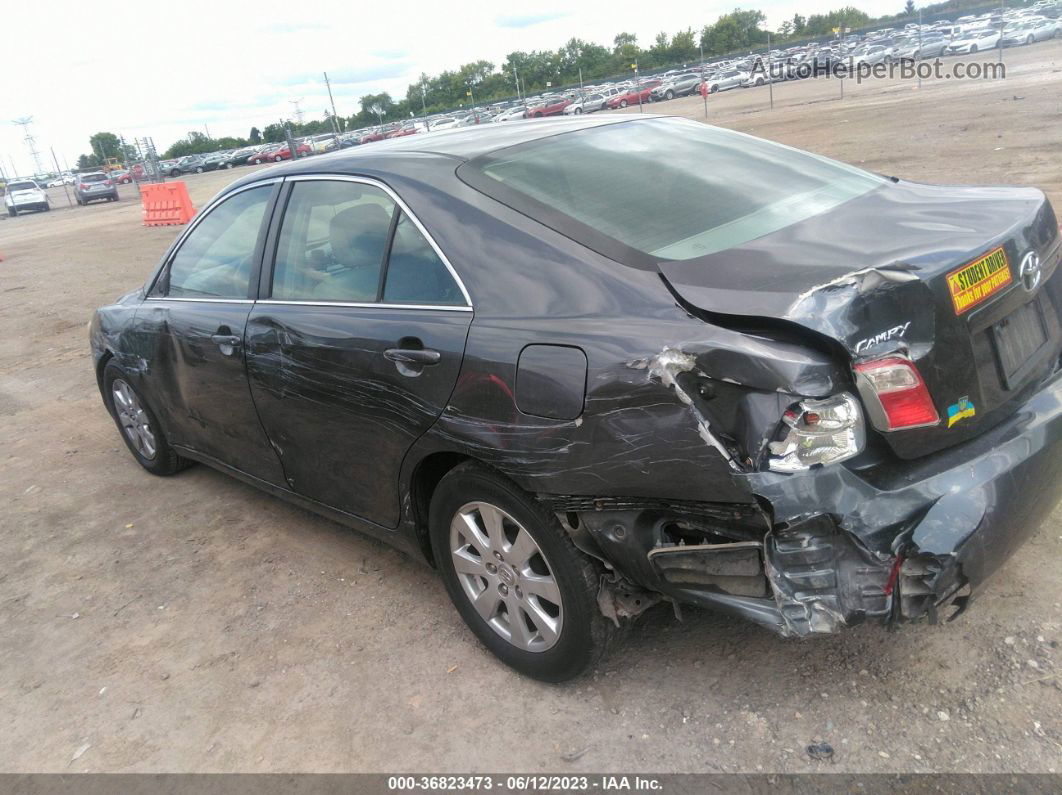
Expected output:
(976, 282)
(1018, 338)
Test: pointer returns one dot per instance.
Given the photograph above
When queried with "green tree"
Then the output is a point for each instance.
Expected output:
(799, 23)
(909, 9)
(684, 46)
(104, 145)
(273, 133)
(785, 30)
(255, 136)
(86, 162)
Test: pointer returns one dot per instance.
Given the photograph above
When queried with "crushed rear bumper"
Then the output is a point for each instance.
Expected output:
(838, 547)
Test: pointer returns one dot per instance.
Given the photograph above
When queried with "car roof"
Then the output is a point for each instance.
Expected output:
(411, 151)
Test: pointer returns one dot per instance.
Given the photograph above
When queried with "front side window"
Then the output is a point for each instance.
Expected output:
(216, 259)
(716, 189)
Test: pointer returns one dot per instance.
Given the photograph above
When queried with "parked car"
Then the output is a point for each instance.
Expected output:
(639, 93)
(25, 194)
(93, 186)
(283, 152)
(191, 164)
(974, 40)
(803, 429)
(121, 176)
(587, 104)
(870, 55)
(519, 112)
(1031, 30)
(931, 47)
(549, 106)
(263, 155)
(726, 79)
(678, 86)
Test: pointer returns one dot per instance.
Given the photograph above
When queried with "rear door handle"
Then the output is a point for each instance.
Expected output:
(227, 342)
(412, 356)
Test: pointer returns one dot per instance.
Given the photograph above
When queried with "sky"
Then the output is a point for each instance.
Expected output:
(163, 69)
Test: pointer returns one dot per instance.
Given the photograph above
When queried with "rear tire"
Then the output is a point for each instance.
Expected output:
(552, 586)
(138, 426)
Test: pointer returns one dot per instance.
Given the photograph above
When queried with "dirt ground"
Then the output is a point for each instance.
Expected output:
(194, 624)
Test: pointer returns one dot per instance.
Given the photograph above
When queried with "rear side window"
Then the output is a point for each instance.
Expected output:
(415, 273)
(716, 189)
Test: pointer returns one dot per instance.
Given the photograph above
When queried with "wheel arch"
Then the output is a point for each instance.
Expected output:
(426, 475)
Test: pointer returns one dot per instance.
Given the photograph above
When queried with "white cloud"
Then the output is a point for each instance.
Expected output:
(161, 69)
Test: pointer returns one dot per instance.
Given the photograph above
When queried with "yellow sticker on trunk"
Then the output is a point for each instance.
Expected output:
(971, 284)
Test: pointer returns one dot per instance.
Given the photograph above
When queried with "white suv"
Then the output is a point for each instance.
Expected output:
(25, 194)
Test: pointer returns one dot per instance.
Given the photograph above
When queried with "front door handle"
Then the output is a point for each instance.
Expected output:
(412, 356)
(228, 343)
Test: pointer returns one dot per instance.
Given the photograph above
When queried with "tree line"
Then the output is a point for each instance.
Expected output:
(577, 61)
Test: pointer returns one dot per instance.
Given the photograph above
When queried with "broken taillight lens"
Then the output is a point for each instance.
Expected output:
(896, 385)
(818, 432)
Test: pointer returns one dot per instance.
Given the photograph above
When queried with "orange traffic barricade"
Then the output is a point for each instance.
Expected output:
(166, 204)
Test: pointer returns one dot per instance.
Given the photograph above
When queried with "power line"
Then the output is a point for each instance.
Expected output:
(298, 110)
(31, 141)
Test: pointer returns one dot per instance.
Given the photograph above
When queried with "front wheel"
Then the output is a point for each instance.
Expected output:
(669, 94)
(12, 212)
(578, 110)
(138, 426)
(714, 90)
(277, 159)
(973, 49)
(198, 169)
(623, 103)
(515, 576)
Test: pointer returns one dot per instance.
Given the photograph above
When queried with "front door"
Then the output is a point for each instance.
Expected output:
(190, 332)
(356, 351)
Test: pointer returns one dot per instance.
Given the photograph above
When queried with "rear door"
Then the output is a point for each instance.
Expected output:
(356, 345)
(190, 334)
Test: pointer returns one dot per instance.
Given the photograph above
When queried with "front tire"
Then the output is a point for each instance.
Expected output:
(669, 94)
(515, 576)
(138, 426)
(623, 103)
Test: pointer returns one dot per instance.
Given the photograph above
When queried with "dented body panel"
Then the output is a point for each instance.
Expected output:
(685, 371)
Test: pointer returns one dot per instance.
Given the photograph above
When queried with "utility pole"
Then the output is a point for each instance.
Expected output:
(60, 173)
(770, 72)
(704, 82)
(423, 98)
(1002, 25)
(919, 59)
(332, 101)
(637, 85)
(31, 141)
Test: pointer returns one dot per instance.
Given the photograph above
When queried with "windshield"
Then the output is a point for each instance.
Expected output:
(716, 189)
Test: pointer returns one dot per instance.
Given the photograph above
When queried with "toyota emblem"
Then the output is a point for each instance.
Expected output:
(1030, 271)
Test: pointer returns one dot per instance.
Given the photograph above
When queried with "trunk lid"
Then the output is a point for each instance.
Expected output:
(930, 271)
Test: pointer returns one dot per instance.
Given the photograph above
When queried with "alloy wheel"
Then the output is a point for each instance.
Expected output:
(134, 420)
(505, 575)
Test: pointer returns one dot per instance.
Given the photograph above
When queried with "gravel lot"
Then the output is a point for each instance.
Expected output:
(194, 624)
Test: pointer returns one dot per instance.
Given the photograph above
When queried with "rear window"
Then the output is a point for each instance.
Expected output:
(94, 178)
(13, 186)
(668, 189)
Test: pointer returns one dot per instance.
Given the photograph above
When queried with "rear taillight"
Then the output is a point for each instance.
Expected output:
(896, 386)
(107, 182)
(83, 186)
